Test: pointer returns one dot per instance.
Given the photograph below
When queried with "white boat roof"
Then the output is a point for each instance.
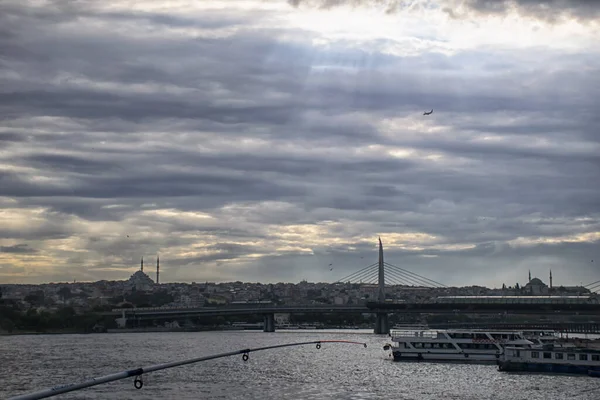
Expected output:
(519, 341)
(456, 331)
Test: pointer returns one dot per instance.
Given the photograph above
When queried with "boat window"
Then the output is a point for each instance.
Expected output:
(583, 357)
(558, 356)
(547, 355)
(570, 356)
(535, 354)
(595, 357)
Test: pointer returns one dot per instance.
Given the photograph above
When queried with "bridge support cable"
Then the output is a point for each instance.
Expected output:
(370, 278)
(597, 283)
(431, 282)
(425, 281)
(393, 280)
(402, 279)
(352, 277)
(594, 289)
(364, 276)
(412, 280)
(396, 278)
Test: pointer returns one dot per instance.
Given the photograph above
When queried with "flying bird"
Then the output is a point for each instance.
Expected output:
(428, 113)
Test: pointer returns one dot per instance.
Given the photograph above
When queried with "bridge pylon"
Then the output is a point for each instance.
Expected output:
(269, 323)
(382, 325)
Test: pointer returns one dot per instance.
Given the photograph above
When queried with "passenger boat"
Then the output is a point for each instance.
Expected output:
(544, 338)
(453, 345)
(541, 337)
(559, 360)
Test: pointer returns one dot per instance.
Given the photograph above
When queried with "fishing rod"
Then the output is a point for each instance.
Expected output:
(138, 383)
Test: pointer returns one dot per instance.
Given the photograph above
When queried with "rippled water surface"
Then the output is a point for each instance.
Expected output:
(336, 371)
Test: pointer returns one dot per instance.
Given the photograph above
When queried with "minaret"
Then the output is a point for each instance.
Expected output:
(530, 276)
(157, 269)
(550, 279)
(381, 276)
(142, 265)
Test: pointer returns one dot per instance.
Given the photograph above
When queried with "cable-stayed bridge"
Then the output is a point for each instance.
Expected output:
(381, 273)
(393, 276)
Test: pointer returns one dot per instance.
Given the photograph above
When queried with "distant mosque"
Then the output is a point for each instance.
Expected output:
(536, 287)
(142, 282)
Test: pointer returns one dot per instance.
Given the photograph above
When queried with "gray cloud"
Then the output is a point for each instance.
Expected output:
(102, 130)
(18, 249)
(549, 10)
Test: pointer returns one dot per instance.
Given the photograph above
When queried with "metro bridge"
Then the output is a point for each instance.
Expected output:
(268, 312)
(532, 305)
(431, 307)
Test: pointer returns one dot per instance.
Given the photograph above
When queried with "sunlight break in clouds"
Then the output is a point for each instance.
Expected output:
(265, 140)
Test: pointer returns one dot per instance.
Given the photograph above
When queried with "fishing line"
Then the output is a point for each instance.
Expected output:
(139, 383)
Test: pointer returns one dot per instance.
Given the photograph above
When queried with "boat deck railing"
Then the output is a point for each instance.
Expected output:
(414, 334)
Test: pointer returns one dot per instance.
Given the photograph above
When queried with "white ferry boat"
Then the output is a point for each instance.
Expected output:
(541, 337)
(559, 360)
(453, 345)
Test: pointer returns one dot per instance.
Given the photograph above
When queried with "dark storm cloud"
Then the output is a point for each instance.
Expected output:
(85, 207)
(87, 104)
(66, 163)
(153, 184)
(10, 137)
(18, 249)
(550, 10)
(48, 230)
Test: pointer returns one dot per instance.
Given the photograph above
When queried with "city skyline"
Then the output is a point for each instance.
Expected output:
(152, 272)
(275, 141)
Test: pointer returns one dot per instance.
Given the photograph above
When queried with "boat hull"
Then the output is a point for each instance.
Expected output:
(510, 366)
(488, 358)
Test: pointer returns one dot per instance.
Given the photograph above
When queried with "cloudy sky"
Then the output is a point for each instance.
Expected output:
(262, 140)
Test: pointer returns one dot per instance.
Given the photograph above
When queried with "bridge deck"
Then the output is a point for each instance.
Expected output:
(372, 308)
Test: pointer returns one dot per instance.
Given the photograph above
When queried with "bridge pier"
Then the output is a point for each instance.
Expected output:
(382, 325)
(269, 323)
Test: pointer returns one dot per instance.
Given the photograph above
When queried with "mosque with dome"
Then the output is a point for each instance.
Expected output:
(536, 287)
(140, 281)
